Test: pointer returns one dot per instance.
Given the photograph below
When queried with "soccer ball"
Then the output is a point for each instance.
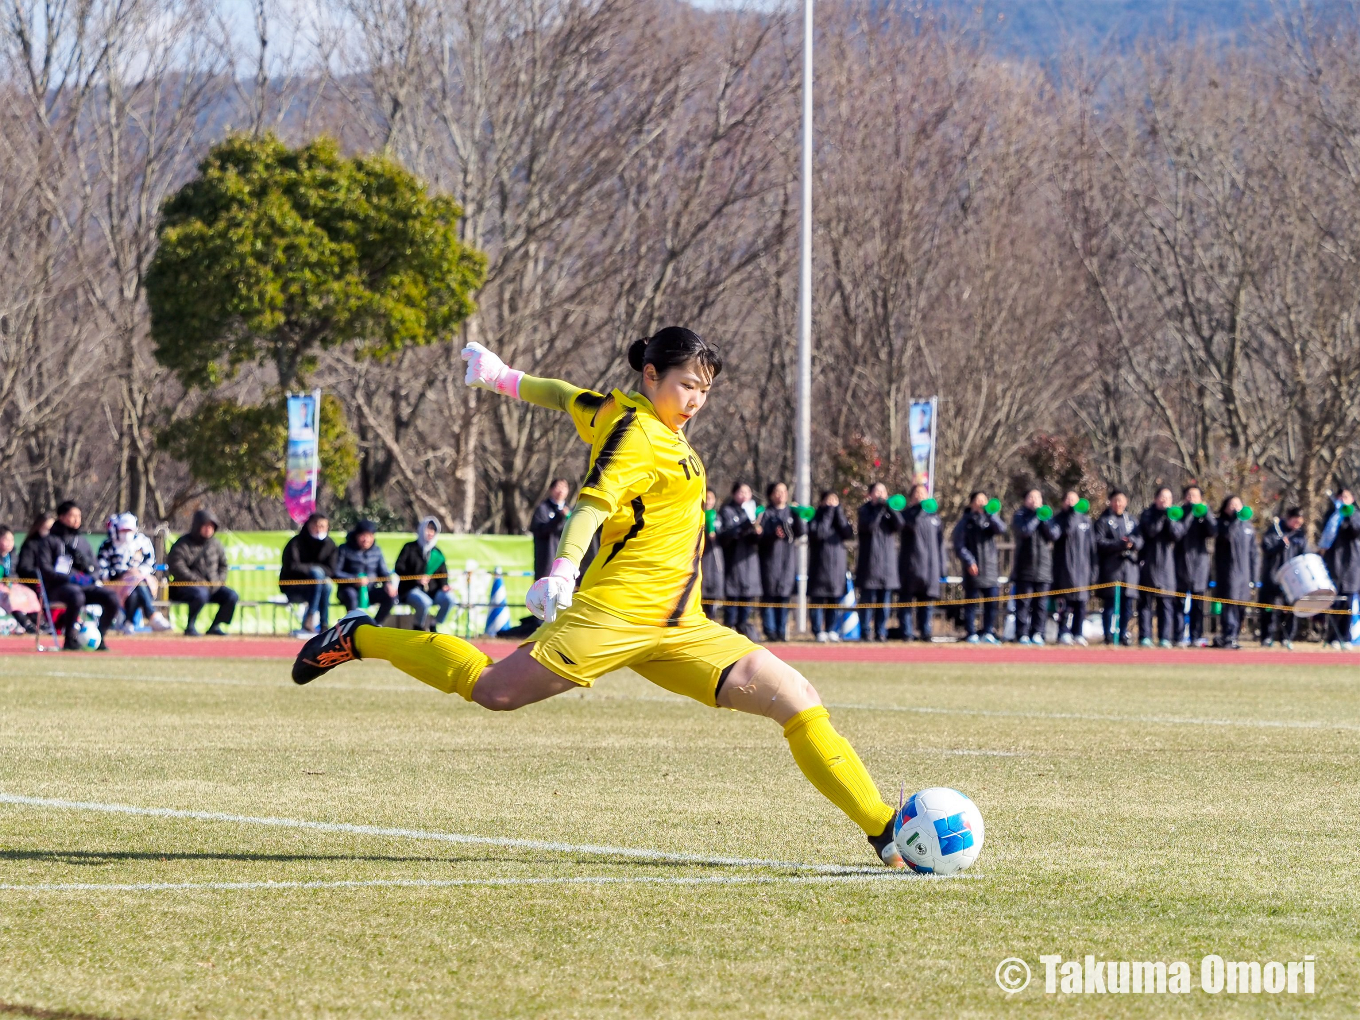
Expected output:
(939, 831)
(87, 635)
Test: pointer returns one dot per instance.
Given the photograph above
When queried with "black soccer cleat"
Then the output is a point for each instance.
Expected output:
(329, 648)
(885, 845)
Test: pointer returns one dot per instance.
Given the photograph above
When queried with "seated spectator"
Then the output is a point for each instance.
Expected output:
(66, 568)
(27, 565)
(198, 566)
(550, 517)
(126, 563)
(425, 575)
(306, 572)
(358, 560)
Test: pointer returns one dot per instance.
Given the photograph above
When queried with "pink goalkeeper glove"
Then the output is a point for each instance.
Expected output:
(489, 372)
(549, 594)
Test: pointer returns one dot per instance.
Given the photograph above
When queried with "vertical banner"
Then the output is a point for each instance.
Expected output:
(303, 465)
(921, 422)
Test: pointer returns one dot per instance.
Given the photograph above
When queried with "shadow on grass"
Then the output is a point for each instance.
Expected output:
(38, 1013)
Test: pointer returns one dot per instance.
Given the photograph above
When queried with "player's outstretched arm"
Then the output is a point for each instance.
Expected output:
(487, 371)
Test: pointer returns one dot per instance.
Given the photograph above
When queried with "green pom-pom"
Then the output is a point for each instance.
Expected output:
(1245, 513)
(993, 506)
(1200, 509)
(1175, 512)
(930, 505)
(1083, 506)
(710, 519)
(1044, 513)
(1347, 509)
(759, 509)
(805, 512)
(897, 501)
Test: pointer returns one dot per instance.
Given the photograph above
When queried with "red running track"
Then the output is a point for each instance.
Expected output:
(889, 652)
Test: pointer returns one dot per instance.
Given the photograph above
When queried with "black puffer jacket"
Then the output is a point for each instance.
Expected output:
(304, 552)
(1119, 546)
(741, 553)
(1192, 551)
(1236, 559)
(1074, 554)
(974, 541)
(828, 532)
(876, 564)
(779, 527)
(1033, 547)
(921, 563)
(1161, 538)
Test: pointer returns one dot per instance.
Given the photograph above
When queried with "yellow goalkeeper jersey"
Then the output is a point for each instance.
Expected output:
(647, 570)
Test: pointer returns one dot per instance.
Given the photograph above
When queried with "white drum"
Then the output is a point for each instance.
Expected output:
(1306, 585)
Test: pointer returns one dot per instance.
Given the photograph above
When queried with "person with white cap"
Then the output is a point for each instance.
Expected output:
(126, 561)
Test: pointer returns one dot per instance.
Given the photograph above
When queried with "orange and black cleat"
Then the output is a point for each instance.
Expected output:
(329, 648)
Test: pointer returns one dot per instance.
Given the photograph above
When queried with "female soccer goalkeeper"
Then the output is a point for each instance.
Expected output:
(638, 605)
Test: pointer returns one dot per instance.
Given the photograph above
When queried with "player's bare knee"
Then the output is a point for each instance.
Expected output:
(763, 684)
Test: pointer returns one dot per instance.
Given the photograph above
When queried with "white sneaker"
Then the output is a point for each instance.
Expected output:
(159, 622)
(1066, 639)
(1081, 640)
(990, 639)
(973, 639)
(822, 638)
(1335, 646)
(1023, 639)
(302, 633)
(1289, 646)
(832, 636)
(1037, 640)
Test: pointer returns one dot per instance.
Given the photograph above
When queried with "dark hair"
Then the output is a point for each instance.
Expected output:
(39, 520)
(769, 489)
(1188, 486)
(1293, 511)
(1161, 489)
(671, 347)
(1223, 509)
(1117, 492)
(562, 480)
(66, 506)
(975, 494)
(825, 493)
(312, 518)
(738, 485)
(5, 530)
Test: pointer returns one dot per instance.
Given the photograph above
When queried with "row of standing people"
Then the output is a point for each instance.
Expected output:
(1174, 548)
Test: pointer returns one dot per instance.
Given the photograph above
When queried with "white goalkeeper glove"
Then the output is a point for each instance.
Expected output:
(549, 594)
(489, 372)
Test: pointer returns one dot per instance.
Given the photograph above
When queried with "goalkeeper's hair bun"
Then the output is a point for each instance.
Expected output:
(674, 346)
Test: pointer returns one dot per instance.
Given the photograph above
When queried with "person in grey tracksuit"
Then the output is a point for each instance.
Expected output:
(1032, 573)
(1162, 531)
(1192, 564)
(1118, 544)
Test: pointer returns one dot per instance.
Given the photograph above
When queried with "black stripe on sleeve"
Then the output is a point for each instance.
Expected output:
(632, 532)
(610, 449)
(679, 610)
(589, 400)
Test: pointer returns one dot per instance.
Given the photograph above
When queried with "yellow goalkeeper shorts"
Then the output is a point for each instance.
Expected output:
(585, 642)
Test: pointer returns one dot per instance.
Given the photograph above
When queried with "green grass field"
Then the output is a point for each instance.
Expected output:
(1131, 814)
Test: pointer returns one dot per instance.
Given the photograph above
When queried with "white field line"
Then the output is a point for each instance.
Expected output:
(1159, 720)
(632, 853)
(454, 883)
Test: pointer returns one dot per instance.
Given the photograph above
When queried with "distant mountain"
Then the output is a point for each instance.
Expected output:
(1042, 28)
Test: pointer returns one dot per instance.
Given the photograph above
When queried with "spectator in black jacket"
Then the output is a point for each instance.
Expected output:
(1192, 565)
(828, 531)
(876, 565)
(712, 568)
(1032, 575)
(1074, 568)
(358, 560)
(974, 540)
(200, 559)
(550, 517)
(306, 572)
(1283, 541)
(67, 567)
(779, 528)
(26, 565)
(739, 535)
(1343, 563)
(1236, 566)
(425, 575)
(920, 565)
(1161, 537)
(1118, 544)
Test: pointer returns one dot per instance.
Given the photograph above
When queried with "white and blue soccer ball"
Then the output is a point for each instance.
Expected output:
(87, 635)
(939, 831)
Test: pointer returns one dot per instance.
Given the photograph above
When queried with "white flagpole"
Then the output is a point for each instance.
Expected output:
(803, 433)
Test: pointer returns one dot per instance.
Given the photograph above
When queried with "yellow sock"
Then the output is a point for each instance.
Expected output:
(832, 765)
(446, 663)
